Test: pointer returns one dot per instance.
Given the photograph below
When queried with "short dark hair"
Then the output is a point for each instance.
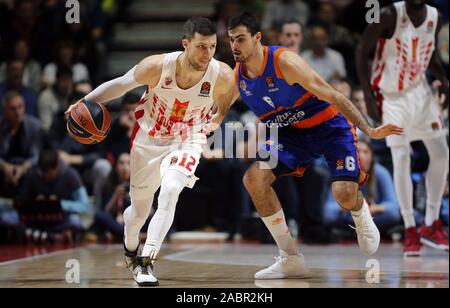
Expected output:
(200, 25)
(247, 20)
(48, 160)
(9, 96)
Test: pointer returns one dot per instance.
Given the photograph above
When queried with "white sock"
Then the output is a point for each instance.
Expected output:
(172, 185)
(279, 230)
(135, 216)
(436, 177)
(401, 159)
(360, 211)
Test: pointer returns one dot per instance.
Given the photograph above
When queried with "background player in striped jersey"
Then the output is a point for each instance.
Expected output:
(398, 92)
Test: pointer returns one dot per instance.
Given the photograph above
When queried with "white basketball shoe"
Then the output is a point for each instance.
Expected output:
(293, 266)
(367, 231)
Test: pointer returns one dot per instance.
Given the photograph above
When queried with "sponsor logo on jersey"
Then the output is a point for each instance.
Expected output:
(286, 119)
(205, 89)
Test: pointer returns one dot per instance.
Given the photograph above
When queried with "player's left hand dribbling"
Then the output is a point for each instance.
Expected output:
(385, 130)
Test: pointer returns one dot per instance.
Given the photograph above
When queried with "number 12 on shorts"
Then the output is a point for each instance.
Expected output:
(187, 162)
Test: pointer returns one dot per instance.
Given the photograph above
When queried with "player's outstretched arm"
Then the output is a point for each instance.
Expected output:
(295, 70)
(147, 72)
(224, 95)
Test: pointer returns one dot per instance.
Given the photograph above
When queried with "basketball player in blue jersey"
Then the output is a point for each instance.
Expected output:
(313, 119)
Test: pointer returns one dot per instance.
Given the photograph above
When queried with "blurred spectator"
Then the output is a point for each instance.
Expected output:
(224, 10)
(327, 62)
(88, 160)
(53, 181)
(339, 37)
(55, 98)
(278, 10)
(443, 45)
(66, 57)
(20, 143)
(378, 191)
(379, 147)
(13, 82)
(342, 85)
(360, 103)
(291, 35)
(115, 198)
(118, 140)
(32, 69)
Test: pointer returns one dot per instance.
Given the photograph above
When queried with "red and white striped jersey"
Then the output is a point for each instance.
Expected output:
(401, 62)
(169, 113)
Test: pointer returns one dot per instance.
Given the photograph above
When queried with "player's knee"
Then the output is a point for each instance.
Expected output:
(440, 154)
(256, 178)
(346, 195)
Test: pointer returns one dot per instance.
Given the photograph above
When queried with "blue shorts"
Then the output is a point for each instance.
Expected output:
(334, 139)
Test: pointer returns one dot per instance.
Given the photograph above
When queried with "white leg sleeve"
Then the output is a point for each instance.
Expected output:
(401, 158)
(436, 177)
(135, 216)
(173, 183)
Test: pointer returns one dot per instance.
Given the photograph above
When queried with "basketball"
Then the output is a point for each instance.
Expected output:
(89, 122)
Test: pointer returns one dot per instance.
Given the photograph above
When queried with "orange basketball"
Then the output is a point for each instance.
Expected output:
(89, 122)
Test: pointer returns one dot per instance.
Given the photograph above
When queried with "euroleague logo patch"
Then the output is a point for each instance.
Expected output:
(174, 160)
(205, 89)
(340, 164)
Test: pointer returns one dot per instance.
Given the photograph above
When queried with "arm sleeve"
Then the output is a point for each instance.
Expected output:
(114, 88)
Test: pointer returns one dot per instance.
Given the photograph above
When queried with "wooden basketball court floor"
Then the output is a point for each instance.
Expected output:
(231, 266)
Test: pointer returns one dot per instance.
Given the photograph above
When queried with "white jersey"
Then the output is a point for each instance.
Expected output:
(401, 62)
(169, 113)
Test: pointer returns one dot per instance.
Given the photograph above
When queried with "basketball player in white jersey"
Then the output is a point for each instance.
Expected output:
(184, 89)
(398, 92)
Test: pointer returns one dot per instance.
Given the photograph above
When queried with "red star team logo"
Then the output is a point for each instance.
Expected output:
(179, 111)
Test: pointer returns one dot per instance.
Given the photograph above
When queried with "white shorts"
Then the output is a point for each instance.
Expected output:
(151, 158)
(417, 111)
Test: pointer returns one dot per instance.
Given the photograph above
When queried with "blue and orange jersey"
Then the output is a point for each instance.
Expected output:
(277, 103)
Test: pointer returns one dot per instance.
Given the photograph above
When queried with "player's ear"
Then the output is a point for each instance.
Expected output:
(185, 43)
(258, 36)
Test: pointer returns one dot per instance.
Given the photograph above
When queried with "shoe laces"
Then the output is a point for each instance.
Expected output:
(281, 259)
(362, 226)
